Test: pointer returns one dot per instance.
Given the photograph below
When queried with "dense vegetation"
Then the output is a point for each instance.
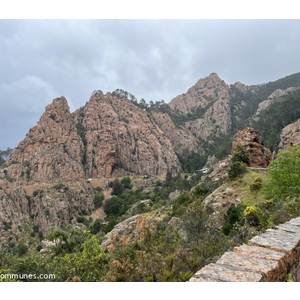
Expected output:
(276, 117)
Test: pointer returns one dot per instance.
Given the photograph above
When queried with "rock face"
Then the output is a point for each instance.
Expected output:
(251, 140)
(52, 149)
(48, 206)
(181, 139)
(209, 101)
(275, 96)
(290, 136)
(131, 230)
(269, 257)
(120, 136)
(108, 137)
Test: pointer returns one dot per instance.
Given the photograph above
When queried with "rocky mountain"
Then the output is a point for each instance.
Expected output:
(107, 137)
(52, 149)
(207, 107)
(112, 135)
(121, 137)
(44, 181)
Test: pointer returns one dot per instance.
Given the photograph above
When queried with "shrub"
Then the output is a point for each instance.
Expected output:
(237, 168)
(268, 203)
(256, 186)
(96, 226)
(199, 190)
(35, 193)
(117, 188)
(285, 174)
(21, 249)
(252, 215)
(113, 206)
(98, 200)
(126, 182)
(241, 154)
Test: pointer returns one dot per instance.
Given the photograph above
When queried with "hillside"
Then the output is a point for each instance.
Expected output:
(121, 181)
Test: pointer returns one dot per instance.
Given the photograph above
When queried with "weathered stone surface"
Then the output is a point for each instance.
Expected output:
(275, 96)
(290, 136)
(182, 140)
(219, 202)
(249, 263)
(51, 150)
(120, 136)
(219, 272)
(278, 240)
(259, 252)
(251, 140)
(48, 206)
(131, 230)
(209, 99)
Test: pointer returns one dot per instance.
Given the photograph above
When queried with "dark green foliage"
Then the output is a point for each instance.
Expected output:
(96, 226)
(240, 159)
(126, 182)
(114, 206)
(117, 188)
(179, 119)
(191, 161)
(234, 215)
(98, 200)
(241, 154)
(35, 193)
(236, 169)
(61, 187)
(7, 225)
(278, 115)
(21, 249)
(81, 132)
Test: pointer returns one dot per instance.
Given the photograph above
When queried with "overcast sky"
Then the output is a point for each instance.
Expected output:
(153, 59)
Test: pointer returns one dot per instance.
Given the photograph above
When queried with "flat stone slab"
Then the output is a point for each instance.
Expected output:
(289, 227)
(218, 272)
(295, 221)
(278, 240)
(247, 263)
(259, 252)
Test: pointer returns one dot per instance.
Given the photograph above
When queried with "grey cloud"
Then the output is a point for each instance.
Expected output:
(153, 59)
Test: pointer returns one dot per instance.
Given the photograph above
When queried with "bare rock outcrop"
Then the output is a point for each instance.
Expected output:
(132, 230)
(24, 205)
(203, 93)
(52, 150)
(249, 138)
(120, 136)
(182, 140)
(209, 102)
(290, 136)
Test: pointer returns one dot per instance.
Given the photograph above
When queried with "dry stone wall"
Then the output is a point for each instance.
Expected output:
(268, 257)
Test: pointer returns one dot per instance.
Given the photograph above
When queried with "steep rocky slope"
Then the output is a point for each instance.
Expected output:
(51, 149)
(181, 139)
(207, 105)
(290, 135)
(121, 137)
(25, 206)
